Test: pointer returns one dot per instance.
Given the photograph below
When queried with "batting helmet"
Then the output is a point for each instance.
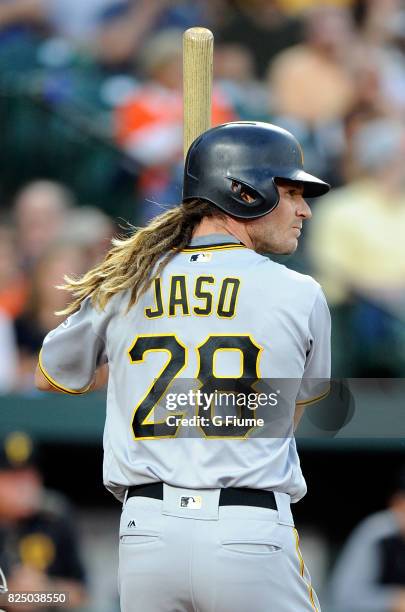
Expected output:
(245, 156)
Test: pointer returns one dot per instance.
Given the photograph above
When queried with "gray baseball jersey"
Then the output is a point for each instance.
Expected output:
(218, 311)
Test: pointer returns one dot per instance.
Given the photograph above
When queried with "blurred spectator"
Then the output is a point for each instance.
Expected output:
(377, 18)
(45, 299)
(13, 284)
(149, 125)
(38, 543)
(234, 71)
(126, 25)
(77, 20)
(384, 32)
(72, 19)
(358, 249)
(23, 25)
(295, 7)
(369, 104)
(8, 355)
(21, 12)
(40, 211)
(357, 235)
(369, 575)
(262, 27)
(319, 69)
(299, 6)
(123, 30)
(91, 229)
(13, 294)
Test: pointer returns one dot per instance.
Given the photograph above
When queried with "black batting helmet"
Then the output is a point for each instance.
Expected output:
(247, 155)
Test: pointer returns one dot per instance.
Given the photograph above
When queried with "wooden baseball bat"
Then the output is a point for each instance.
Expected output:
(198, 51)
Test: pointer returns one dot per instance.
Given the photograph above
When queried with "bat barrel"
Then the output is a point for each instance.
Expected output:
(198, 51)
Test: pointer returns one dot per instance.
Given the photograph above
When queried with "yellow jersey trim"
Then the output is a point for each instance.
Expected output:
(213, 247)
(313, 400)
(57, 385)
(302, 570)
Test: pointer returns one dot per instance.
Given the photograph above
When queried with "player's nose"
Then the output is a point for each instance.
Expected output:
(303, 209)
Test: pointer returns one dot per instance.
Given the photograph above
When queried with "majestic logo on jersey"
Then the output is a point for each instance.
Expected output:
(200, 257)
(131, 524)
(192, 503)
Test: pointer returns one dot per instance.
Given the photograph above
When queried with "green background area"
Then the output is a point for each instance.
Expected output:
(368, 414)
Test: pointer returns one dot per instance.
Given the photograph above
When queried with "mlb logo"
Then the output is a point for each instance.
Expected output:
(192, 503)
(200, 257)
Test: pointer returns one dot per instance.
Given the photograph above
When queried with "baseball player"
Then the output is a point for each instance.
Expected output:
(206, 522)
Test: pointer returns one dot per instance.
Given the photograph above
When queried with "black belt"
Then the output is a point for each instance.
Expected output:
(231, 496)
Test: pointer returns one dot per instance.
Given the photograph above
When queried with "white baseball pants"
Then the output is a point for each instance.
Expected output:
(187, 554)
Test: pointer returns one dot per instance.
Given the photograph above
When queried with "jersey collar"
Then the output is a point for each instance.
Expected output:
(214, 242)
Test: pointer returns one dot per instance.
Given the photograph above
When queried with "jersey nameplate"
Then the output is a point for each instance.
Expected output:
(202, 296)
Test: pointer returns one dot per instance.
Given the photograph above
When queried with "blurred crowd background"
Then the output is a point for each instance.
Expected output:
(91, 141)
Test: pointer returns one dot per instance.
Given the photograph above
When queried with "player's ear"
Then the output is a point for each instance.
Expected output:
(247, 195)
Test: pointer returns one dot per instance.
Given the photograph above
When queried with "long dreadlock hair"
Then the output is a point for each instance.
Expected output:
(130, 262)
